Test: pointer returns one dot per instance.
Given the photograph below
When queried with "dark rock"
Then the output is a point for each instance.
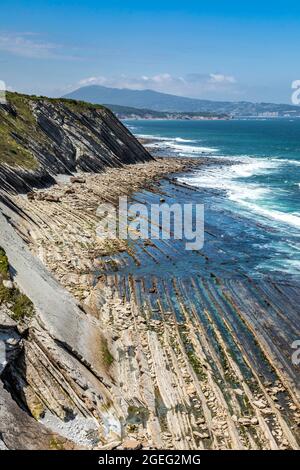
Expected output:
(77, 179)
(51, 198)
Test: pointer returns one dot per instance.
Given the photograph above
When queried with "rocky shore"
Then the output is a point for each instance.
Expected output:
(159, 369)
(118, 344)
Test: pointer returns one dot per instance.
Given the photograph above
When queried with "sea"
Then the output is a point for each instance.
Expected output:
(257, 195)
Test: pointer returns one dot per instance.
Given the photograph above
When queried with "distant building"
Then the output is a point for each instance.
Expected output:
(269, 114)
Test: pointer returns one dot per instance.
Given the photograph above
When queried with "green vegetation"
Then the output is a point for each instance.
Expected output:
(14, 127)
(19, 304)
(18, 127)
(22, 306)
(106, 354)
(4, 267)
(56, 444)
(76, 105)
(193, 359)
(37, 410)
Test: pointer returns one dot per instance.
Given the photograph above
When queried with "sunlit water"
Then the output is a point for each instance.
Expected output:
(261, 186)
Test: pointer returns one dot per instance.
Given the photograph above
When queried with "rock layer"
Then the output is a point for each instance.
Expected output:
(44, 137)
(191, 362)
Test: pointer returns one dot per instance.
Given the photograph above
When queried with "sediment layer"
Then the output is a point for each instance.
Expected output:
(187, 361)
(43, 137)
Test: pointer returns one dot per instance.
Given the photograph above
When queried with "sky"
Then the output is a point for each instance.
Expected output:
(220, 50)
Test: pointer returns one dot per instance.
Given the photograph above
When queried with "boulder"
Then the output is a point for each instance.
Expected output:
(77, 179)
(51, 198)
(31, 196)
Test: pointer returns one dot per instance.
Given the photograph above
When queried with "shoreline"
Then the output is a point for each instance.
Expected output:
(131, 312)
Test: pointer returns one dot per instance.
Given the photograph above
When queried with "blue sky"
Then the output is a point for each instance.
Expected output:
(225, 50)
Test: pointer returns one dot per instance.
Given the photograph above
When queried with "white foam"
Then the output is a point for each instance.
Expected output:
(182, 150)
(290, 219)
(228, 179)
(179, 139)
(286, 161)
(177, 145)
(191, 148)
(152, 137)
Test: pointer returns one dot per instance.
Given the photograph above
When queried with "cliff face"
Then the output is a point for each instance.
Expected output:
(53, 366)
(42, 137)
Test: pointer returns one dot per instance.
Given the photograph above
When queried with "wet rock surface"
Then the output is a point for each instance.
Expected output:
(176, 370)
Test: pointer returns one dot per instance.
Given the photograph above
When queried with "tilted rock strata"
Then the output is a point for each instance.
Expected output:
(177, 373)
(43, 137)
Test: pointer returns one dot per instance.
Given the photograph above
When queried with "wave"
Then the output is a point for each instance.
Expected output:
(191, 149)
(233, 181)
(227, 177)
(287, 218)
(169, 139)
(287, 161)
(181, 149)
(151, 137)
(179, 139)
(177, 145)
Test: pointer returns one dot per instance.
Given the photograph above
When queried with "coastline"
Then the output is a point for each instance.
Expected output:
(186, 379)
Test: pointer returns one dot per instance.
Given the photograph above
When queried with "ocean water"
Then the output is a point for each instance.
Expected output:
(262, 183)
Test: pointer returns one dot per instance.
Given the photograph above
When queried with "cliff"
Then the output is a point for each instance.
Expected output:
(42, 137)
(111, 343)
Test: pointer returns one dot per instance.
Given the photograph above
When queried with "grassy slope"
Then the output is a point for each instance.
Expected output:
(20, 306)
(19, 126)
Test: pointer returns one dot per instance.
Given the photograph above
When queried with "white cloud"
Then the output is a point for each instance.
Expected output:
(30, 46)
(194, 84)
(220, 78)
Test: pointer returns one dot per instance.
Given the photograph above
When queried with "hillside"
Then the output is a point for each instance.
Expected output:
(42, 137)
(127, 112)
(149, 99)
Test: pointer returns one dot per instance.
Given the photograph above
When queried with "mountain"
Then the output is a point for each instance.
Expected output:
(156, 101)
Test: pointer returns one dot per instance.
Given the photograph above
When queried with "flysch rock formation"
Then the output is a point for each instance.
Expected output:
(63, 374)
(178, 373)
(42, 139)
(112, 359)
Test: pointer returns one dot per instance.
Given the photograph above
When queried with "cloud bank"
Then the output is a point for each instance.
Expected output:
(193, 84)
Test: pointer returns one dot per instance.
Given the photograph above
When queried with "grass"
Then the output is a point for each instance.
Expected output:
(22, 306)
(19, 127)
(19, 304)
(56, 444)
(106, 354)
(75, 105)
(4, 266)
(14, 128)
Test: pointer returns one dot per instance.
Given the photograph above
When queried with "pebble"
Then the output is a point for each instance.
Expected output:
(259, 404)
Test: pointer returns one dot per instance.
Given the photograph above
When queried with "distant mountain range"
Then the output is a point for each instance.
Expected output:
(156, 101)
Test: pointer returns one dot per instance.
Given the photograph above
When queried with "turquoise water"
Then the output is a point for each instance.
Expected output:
(262, 184)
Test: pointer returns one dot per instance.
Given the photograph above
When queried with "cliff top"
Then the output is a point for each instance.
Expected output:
(41, 137)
